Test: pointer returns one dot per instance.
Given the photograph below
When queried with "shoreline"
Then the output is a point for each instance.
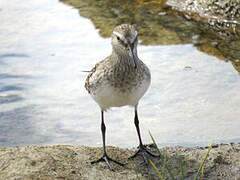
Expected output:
(73, 162)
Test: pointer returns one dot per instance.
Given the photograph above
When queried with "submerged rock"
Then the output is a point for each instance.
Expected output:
(168, 22)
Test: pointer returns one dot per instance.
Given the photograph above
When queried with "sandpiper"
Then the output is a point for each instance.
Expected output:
(120, 79)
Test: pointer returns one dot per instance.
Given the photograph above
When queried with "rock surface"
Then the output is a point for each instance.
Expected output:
(219, 14)
(73, 162)
(223, 9)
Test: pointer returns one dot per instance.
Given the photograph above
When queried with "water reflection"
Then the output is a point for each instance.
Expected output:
(236, 65)
(11, 88)
(12, 55)
(12, 76)
(17, 127)
(45, 45)
(10, 98)
(158, 25)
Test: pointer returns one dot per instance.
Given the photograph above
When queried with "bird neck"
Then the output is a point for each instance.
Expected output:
(122, 57)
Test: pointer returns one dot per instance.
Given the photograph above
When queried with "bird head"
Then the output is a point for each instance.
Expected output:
(124, 42)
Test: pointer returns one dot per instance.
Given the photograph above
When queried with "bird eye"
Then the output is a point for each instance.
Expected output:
(118, 38)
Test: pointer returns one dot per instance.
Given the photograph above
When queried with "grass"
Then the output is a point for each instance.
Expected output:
(163, 160)
(156, 169)
(135, 169)
(202, 164)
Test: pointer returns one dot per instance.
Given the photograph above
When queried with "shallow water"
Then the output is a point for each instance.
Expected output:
(45, 45)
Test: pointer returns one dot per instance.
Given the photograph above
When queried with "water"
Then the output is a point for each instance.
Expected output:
(45, 45)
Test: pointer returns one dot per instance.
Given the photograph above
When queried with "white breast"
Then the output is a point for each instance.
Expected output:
(108, 96)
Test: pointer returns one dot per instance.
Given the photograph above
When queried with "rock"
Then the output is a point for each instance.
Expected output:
(73, 162)
(220, 14)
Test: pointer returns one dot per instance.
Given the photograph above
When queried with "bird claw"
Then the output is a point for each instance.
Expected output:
(107, 159)
(143, 150)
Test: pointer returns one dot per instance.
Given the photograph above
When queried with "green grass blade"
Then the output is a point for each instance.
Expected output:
(155, 144)
(166, 166)
(164, 160)
(135, 169)
(181, 167)
(205, 158)
(156, 169)
(202, 173)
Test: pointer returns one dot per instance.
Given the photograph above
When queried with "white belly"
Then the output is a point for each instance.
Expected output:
(108, 96)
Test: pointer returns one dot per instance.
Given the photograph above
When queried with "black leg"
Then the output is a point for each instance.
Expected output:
(103, 129)
(105, 157)
(142, 149)
(136, 122)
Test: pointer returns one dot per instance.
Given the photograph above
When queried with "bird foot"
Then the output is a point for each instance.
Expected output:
(143, 150)
(107, 159)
